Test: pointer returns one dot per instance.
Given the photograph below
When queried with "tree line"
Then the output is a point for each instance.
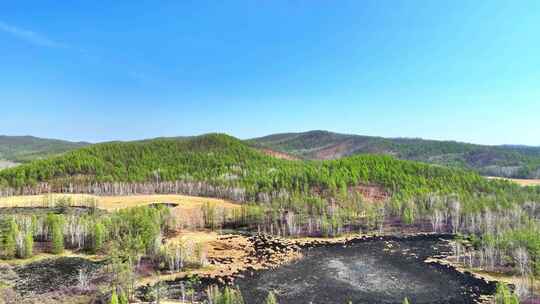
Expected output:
(222, 165)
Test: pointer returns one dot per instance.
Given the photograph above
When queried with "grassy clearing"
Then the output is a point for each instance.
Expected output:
(111, 203)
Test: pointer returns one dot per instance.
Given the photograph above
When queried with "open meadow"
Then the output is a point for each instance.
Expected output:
(111, 203)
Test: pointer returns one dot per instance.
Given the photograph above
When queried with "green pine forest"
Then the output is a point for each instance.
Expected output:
(223, 160)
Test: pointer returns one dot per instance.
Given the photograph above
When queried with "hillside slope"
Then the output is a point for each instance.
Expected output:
(20, 149)
(504, 161)
(220, 165)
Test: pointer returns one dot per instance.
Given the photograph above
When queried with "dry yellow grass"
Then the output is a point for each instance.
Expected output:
(521, 182)
(183, 201)
(234, 247)
(526, 182)
(203, 236)
(111, 203)
(45, 200)
(506, 278)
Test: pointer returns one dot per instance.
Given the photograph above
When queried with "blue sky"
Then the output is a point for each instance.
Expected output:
(104, 70)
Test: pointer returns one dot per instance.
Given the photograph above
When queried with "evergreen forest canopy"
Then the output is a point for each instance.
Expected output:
(505, 161)
(223, 161)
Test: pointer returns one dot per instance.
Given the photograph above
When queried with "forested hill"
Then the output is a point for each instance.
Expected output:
(20, 149)
(504, 161)
(221, 165)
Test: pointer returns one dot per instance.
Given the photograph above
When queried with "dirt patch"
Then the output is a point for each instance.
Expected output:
(372, 193)
(335, 151)
(277, 154)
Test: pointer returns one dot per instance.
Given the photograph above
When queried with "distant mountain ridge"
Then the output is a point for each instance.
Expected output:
(504, 161)
(21, 149)
(514, 161)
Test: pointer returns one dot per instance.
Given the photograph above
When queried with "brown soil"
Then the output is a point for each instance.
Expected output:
(335, 151)
(277, 154)
(372, 193)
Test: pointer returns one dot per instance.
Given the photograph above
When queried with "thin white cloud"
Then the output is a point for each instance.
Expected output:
(30, 36)
(38, 39)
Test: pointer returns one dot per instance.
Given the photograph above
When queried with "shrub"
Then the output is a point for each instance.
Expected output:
(114, 298)
(56, 224)
(226, 296)
(271, 299)
(504, 295)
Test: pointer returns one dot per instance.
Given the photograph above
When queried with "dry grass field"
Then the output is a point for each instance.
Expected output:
(111, 203)
(187, 210)
(526, 182)
(521, 182)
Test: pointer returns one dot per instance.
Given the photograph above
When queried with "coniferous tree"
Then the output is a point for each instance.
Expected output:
(271, 298)
(503, 295)
(123, 298)
(114, 297)
(10, 231)
(56, 223)
(28, 244)
(99, 237)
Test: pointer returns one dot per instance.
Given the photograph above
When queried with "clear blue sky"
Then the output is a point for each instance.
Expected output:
(103, 70)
